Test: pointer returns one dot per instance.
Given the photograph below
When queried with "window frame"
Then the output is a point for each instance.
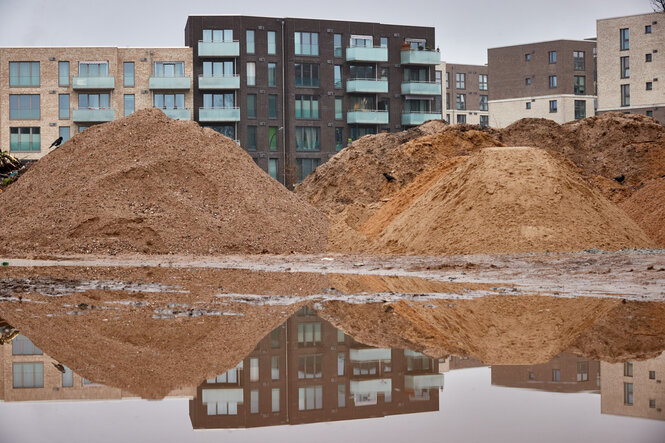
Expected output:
(19, 66)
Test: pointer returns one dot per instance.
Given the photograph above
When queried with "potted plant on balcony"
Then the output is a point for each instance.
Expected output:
(406, 46)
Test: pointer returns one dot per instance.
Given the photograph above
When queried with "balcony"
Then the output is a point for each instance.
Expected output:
(93, 83)
(374, 386)
(219, 49)
(367, 117)
(170, 83)
(178, 113)
(418, 118)
(219, 114)
(370, 354)
(219, 82)
(367, 85)
(416, 57)
(426, 381)
(93, 115)
(366, 54)
(421, 88)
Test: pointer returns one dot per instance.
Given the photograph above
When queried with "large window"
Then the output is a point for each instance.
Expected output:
(362, 41)
(627, 393)
(309, 366)
(483, 103)
(169, 69)
(578, 61)
(28, 375)
(63, 131)
(552, 56)
(67, 376)
(272, 74)
(337, 44)
(129, 104)
(460, 80)
(461, 118)
(169, 101)
(93, 69)
(583, 371)
(24, 139)
(218, 69)
(23, 73)
(556, 375)
(24, 107)
(251, 74)
(251, 105)
(308, 139)
(625, 95)
(461, 102)
(624, 39)
(307, 43)
(553, 106)
(307, 107)
(310, 397)
(339, 139)
(579, 85)
(273, 167)
(628, 369)
(304, 167)
(625, 67)
(447, 80)
(484, 120)
(338, 77)
(128, 74)
(482, 82)
(226, 130)
(273, 141)
(250, 41)
(362, 72)
(580, 109)
(275, 400)
(218, 101)
(218, 35)
(251, 138)
(274, 367)
(307, 75)
(339, 112)
(272, 44)
(63, 106)
(272, 106)
(22, 345)
(254, 401)
(553, 81)
(63, 73)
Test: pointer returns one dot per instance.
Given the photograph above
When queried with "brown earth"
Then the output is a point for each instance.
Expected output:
(647, 208)
(149, 184)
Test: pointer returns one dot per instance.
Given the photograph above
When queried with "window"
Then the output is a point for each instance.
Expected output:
(339, 113)
(438, 75)
(580, 109)
(461, 102)
(63, 73)
(128, 74)
(628, 369)
(272, 45)
(307, 75)
(447, 80)
(274, 367)
(218, 69)
(93, 69)
(219, 101)
(341, 337)
(528, 105)
(339, 139)
(647, 29)
(652, 403)
(461, 118)
(275, 400)
(627, 393)
(583, 371)
(24, 74)
(273, 139)
(648, 58)
(624, 40)
(24, 107)
(460, 80)
(272, 74)
(253, 369)
(63, 106)
(307, 43)
(448, 104)
(579, 84)
(337, 45)
(553, 106)
(169, 69)
(649, 86)
(532, 376)
(24, 139)
(63, 131)
(307, 107)
(383, 42)
(94, 101)
(625, 95)
(129, 103)
(649, 113)
(553, 82)
(483, 103)
(218, 35)
(251, 138)
(67, 376)
(254, 401)
(578, 61)
(367, 72)
(338, 77)
(652, 375)
(310, 397)
(527, 81)
(272, 106)
(482, 82)
(28, 375)
(251, 105)
(362, 41)
(341, 396)
(552, 56)
(304, 167)
(164, 101)
(251, 74)
(22, 345)
(250, 41)
(273, 167)
(625, 67)
(527, 57)
(484, 120)
(308, 139)
(556, 375)
(309, 366)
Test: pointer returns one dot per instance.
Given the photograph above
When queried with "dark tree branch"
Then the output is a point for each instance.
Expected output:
(658, 5)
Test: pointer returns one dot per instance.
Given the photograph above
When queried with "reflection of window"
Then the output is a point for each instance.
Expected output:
(307, 75)
(341, 396)
(274, 367)
(628, 369)
(308, 139)
(251, 74)
(67, 378)
(272, 144)
(254, 402)
(556, 375)
(218, 35)
(24, 74)
(253, 369)
(309, 334)
(532, 376)
(340, 336)
(652, 375)
(93, 69)
(582, 371)
(307, 107)
(337, 45)
(275, 400)
(24, 107)
(218, 101)
(341, 357)
(628, 393)
(310, 397)
(309, 366)
(21, 345)
(28, 375)
(170, 101)
(306, 43)
(94, 101)
(272, 45)
(578, 60)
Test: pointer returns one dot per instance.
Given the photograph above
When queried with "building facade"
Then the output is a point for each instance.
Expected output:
(46, 93)
(553, 80)
(293, 92)
(466, 94)
(630, 62)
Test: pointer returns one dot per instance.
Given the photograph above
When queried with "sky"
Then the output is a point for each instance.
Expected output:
(464, 29)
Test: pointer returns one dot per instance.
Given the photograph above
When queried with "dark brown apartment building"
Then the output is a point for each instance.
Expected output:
(293, 91)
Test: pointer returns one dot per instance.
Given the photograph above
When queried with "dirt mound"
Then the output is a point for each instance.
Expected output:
(507, 200)
(647, 208)
(154, 185)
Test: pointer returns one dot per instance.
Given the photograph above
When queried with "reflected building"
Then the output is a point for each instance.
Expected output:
(308, 371)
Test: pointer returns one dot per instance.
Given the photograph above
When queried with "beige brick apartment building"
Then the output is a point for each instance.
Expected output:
(466, 94)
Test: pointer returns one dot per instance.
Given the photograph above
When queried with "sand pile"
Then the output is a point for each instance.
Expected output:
(507, 200)
(647, 208)
(153, 185)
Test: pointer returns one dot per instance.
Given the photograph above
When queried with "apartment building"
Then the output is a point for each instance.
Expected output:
(467, 93)
(553, 80)
(295, 91)
(308, 371)
(46, 93)
(631, 53)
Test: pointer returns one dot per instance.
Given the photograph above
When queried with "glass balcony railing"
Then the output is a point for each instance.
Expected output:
(367, 117)
(219, 82)
(177, 113)
(367, 85)
(414, 118)
(421, 88)
(93, 115)
(219, 49)
(93, 83)
(367, 54)
(219, 114)
(420, 57)
(170, 83)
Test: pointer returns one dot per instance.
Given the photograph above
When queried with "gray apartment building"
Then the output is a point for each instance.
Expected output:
(293, 92)
(466, 94)
(553, 80)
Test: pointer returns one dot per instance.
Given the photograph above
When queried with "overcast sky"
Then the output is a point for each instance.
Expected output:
(464, 29)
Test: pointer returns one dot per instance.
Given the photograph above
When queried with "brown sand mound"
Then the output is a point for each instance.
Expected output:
(647, 208)
(509, 200)
(151, 184)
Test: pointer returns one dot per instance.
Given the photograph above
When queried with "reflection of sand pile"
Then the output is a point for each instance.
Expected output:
(647, 208)
(149, 184)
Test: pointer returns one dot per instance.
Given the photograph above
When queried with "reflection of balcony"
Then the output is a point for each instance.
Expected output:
(369, 354)
(366, 54)
(374, 386)
(222, 401)
(93, 115)
(418, 118)
(93, 83)
(219, 114)
(170, 83)
(421, 88)
(369, 85)
(178, 113)
(367, 117)
(426, 381)
(219, 82)
(219, 49)
(416, 57)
